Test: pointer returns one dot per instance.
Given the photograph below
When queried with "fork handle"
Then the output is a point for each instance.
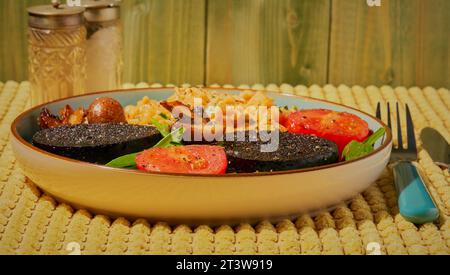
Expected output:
(414, 200)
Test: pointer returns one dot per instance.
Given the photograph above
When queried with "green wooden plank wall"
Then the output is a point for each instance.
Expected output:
(403, 42)
(278, 41)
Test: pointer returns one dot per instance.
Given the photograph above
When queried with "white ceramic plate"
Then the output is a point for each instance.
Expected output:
(194, 199)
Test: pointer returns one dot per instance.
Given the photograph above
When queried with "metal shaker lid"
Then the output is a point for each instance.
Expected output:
(101, 10)
(55, 16)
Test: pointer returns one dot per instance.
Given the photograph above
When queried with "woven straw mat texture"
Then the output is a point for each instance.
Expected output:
(33, 223)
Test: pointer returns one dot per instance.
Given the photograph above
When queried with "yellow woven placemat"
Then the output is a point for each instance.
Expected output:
(32, 223)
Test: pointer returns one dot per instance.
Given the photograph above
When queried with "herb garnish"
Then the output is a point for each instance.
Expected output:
(169, 140)
(127, 161)
(172, 139)
(357, 149)
(163, 129)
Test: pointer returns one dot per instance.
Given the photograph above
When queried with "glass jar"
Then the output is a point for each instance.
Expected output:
(56, 52)
(104, 45)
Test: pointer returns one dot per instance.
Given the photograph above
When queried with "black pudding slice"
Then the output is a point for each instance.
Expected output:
(294, 152)
(96, 143)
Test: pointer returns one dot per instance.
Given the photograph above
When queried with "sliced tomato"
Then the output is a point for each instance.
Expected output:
(284, 116)
(283, 119)
(193, 159)
(338, 127)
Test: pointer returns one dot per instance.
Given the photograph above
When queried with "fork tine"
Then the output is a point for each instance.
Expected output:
(410, 135)
(399, 129)
(389, 115)
(378, 113)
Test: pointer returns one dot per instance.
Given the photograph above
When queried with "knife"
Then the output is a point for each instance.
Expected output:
(436, 146)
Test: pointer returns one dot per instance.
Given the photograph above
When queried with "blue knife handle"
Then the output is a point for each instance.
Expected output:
(414, 200)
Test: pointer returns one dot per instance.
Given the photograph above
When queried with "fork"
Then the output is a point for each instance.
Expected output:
(414, 201)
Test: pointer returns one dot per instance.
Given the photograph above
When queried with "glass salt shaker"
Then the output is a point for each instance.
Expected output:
(104, 44)
(56, 52)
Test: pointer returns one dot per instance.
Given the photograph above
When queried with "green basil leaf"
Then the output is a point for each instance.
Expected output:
(376, 136)
(221, 143)
(356, 149)
(176, 136)
(123, 161)
(129, 161)
(163, 129)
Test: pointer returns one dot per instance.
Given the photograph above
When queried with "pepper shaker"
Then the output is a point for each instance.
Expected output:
(56, 52)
